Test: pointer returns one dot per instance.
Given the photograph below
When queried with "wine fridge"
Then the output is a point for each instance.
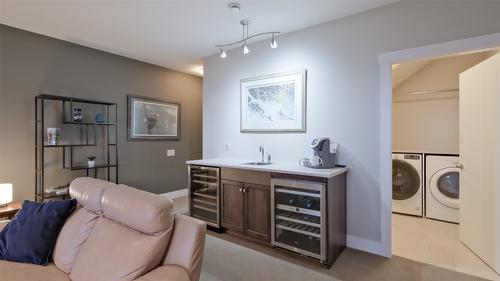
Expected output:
(298, 217)
(204, 194)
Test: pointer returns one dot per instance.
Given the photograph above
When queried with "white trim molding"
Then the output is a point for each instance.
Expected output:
(386, 60)
(176, 194)
(385, 164)
(461, 46)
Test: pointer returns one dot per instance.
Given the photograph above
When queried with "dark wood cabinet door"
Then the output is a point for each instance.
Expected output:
(232, 205)
(258, 211)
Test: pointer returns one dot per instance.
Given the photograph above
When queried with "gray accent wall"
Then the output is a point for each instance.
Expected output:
(341, 58)
(31, 64)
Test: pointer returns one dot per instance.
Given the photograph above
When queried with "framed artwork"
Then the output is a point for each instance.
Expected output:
(274, 103)
(153, 119)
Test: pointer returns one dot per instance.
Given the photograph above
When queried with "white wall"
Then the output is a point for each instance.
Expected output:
(430, 123)
(343, 91)
(429, 126)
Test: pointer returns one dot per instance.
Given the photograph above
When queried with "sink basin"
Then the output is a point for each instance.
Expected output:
(258, 163)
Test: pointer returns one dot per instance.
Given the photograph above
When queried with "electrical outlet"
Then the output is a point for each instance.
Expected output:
(170, 152)
(227, 146)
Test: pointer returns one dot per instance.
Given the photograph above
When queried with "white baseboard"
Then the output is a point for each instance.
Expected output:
(176, 194)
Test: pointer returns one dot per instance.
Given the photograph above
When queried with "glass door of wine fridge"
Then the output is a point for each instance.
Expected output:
(204, 194)
(298, 217)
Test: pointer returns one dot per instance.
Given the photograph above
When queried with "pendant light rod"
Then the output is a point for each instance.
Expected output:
(245, 23)
(247, 38)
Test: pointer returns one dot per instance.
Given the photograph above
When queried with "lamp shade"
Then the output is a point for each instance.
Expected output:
(5, 193)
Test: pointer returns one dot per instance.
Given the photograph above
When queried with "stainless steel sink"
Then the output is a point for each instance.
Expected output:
(258, 163)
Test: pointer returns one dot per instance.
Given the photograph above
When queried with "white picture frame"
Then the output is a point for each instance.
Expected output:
(274, 103)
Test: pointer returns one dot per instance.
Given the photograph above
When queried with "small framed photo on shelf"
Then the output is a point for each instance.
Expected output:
(153, 119)
(77, 115)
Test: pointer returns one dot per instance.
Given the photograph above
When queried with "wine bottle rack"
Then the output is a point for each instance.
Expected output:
(204, 186)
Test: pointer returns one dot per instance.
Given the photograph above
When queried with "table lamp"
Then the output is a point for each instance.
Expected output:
(5, 194)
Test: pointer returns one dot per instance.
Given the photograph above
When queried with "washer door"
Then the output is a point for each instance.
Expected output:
(405, 180)
(445, 188)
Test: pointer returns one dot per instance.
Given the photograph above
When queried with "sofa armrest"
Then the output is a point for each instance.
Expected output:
(165, 273)
(3, 224)
(186, 245)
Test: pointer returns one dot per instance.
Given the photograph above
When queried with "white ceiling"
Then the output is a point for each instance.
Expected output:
(175, 34)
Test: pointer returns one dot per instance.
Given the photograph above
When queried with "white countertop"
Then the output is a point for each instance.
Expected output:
(288, 168)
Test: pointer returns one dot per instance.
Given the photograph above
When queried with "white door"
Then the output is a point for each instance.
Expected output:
(480, 156)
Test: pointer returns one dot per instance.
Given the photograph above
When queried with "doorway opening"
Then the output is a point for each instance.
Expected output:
(387, 60)
(426, 162)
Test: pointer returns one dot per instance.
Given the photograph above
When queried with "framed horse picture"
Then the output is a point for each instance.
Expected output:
(153, 119)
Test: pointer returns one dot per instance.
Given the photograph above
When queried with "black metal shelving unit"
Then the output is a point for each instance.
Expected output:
(68, 149)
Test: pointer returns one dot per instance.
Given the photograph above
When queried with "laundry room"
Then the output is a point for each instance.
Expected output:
(437, 108)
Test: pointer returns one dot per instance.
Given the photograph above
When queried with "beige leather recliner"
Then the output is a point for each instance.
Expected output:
(119, 233)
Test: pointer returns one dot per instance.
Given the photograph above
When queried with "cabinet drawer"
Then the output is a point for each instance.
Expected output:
(247, 176)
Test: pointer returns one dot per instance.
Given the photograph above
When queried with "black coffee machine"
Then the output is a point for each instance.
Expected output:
(326, 151)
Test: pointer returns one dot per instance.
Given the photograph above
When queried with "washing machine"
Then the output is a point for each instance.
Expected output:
(407, 183)
(442, 191)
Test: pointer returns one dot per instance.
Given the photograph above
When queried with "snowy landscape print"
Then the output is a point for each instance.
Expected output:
(274, 102)
(271, 103)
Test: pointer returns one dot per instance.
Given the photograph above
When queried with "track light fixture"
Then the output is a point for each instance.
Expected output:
(245, 23)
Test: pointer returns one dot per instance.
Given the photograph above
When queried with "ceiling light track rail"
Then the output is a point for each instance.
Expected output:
(246, 39)
(245, 23)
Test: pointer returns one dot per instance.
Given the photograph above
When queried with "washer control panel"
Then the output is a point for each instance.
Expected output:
(412, 156)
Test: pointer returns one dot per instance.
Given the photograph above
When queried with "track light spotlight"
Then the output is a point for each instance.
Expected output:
(274, 44)
(245, 49)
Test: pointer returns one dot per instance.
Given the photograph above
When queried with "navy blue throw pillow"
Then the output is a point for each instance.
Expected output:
(30, 237)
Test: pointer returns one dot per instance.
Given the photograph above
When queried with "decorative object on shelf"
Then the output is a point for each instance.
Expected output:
(243, 42)
(5, 194)
(99, 118)
(52, 136)
(91, 161)
(58, 190)
(152, 119)
(77, 115)
(274, 103)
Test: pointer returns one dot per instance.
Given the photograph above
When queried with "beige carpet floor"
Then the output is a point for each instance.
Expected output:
(231, 259)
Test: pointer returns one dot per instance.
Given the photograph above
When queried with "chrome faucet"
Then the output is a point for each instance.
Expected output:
(261, 150)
